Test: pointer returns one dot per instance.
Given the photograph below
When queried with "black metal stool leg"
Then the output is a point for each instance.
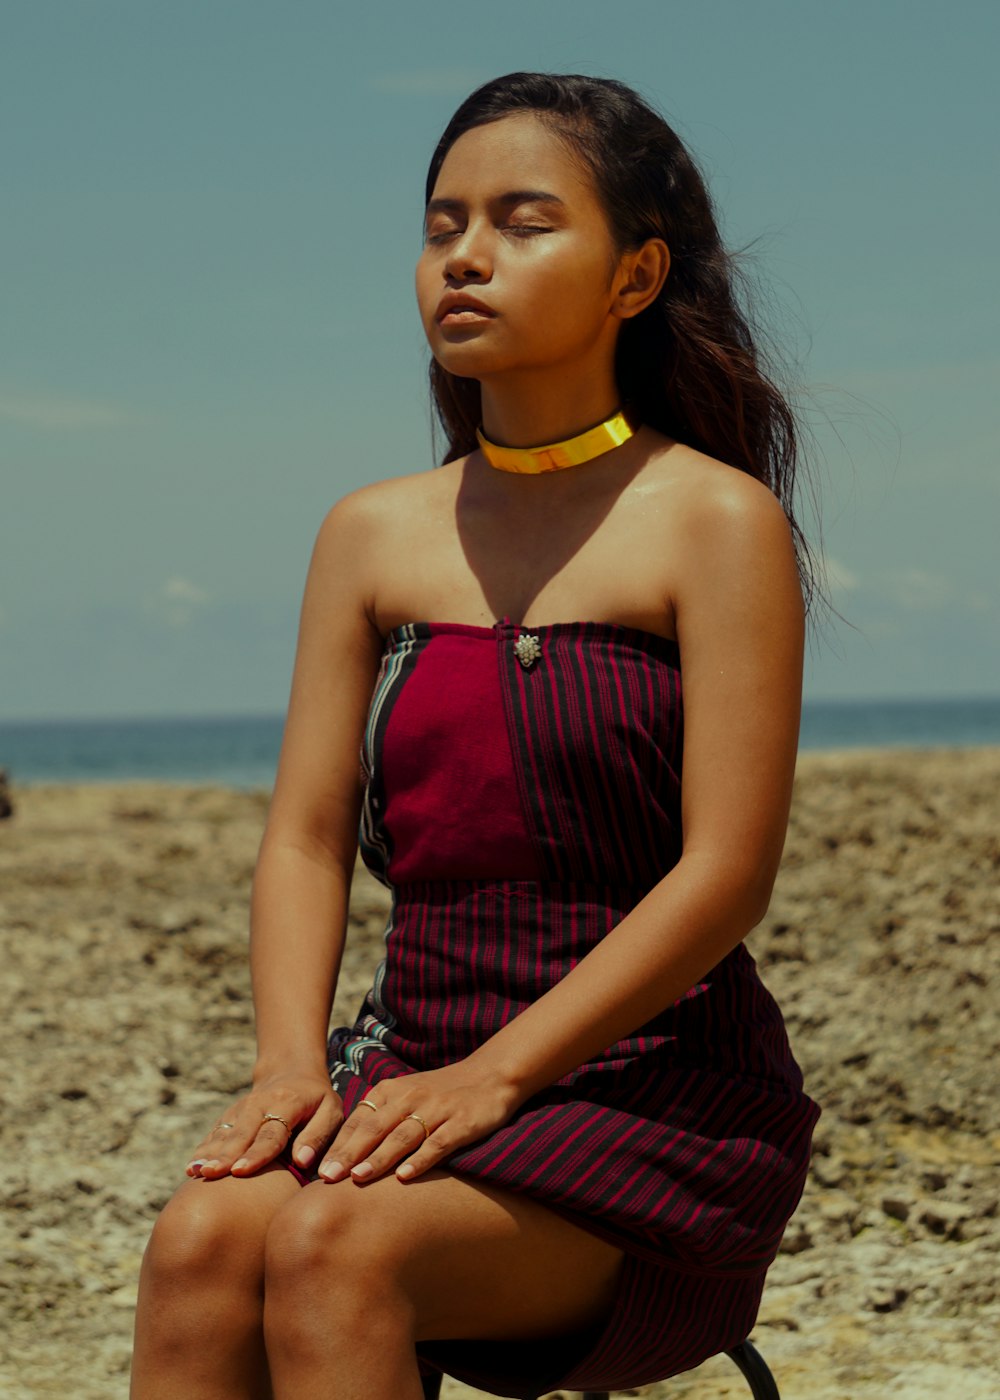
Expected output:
(431, 1383)
(755, 1368)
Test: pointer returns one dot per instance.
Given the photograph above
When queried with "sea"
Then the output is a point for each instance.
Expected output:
(242, 751)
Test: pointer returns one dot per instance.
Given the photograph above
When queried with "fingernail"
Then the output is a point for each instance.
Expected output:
(405, 1170)
(333, 1171)
(243, 1162)
(305, 1156)
(363, 1169)
(198, 1162)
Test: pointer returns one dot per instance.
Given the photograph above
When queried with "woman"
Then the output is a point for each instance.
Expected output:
(560, 1143)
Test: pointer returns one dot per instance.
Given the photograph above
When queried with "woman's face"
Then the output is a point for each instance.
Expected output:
(514, 222)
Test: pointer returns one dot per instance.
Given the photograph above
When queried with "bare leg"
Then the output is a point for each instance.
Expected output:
(198, 1329)
(357, 1275)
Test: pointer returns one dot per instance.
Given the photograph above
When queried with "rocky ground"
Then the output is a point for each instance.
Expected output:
(125, 1026)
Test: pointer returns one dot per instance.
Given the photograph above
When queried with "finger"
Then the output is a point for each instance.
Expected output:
(357, 1136)
(428, 1154)
(269, 1140)
(318, 1131)
(224, 1138)
(405, 1138)
(366, 1119)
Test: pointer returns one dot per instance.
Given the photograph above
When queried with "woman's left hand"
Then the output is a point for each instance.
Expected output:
(458, 1104)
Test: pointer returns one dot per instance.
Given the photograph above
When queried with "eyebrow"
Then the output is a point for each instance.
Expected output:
(453, 206)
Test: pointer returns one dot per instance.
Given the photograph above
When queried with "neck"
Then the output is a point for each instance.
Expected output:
(518, 416)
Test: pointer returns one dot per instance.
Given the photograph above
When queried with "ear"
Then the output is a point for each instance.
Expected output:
(643, 274)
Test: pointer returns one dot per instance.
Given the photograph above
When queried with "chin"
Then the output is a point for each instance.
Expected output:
(468, 365)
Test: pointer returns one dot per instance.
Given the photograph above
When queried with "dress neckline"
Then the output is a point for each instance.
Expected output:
(583, 627)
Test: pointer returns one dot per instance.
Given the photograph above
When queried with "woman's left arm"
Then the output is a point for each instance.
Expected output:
(739, 617)
(740, 625)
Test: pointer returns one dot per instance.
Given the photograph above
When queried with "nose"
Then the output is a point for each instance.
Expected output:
(468, 255)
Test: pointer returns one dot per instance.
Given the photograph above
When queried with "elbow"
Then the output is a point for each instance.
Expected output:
(759, 901)
(741, 889)
(755, 885)
(748, 898)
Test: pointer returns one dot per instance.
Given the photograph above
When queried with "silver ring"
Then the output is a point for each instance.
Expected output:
(224, 1125)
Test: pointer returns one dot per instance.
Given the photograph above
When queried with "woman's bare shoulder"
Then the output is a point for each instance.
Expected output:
(713, 488)
(381, 505)
(726, 533)
(712, 502)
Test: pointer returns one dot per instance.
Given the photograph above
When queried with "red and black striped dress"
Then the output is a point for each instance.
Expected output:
(518, 804)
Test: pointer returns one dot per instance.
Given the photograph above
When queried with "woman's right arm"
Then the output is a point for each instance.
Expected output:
(302, 880)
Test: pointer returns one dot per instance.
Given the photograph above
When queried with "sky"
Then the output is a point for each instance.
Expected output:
(211, 215)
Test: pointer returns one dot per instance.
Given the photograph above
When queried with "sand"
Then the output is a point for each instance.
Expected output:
(126, 1029)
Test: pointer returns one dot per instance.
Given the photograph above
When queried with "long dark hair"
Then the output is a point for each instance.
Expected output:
(690, 363)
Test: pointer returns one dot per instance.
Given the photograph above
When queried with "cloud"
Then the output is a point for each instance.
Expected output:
(840, 578)
(60, 412)
(184, 590)
(176, 602)
(928, 592)
(429, 82)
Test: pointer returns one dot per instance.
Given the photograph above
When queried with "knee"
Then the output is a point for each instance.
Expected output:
(325, 1237)
(328, 1247)
(305, 1238)
(198, 1235)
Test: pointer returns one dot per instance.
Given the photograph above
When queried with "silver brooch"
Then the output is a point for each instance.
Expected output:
(527, 649)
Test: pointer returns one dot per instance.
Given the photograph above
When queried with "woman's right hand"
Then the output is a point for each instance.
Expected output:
(259, 1126)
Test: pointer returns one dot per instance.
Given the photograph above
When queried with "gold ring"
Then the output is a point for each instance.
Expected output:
(276, 1118)
(427, 1131)
(367, 1103)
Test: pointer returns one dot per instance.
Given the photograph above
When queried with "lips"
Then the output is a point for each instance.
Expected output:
(454, 302)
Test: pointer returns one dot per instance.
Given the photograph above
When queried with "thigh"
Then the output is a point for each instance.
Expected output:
(474, 1260)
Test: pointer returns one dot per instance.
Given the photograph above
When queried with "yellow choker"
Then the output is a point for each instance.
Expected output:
(569, 453)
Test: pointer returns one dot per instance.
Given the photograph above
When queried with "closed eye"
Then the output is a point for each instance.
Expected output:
(529, 229)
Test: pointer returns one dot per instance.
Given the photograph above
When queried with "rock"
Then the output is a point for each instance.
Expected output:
(897, 1208)
(883, 1296)
(796, 1238)
(945, 1218)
